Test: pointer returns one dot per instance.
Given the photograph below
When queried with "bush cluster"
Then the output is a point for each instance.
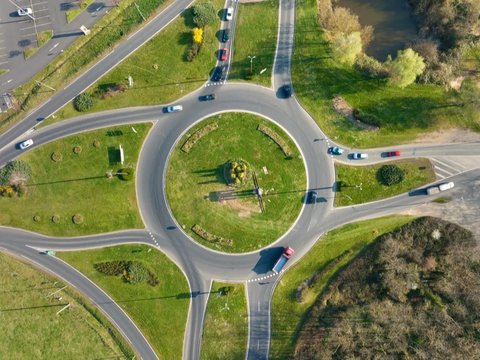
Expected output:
(96, 143)
(77, 219)
(390, 175)
(204, 14)
(204, 234)
(56, 219)
(77, 149)
(197, 135)
(83, 102)
(236, 172)
(56, 156)
(366, 118)
(133, 272)
(7, 190)
(276, 138)
(193, 51)
(15, 170)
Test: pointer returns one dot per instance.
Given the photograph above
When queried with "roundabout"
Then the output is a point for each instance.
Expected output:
(235, 205)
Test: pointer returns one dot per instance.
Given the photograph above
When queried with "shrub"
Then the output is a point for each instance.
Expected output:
(197, 135)
(137, 273)
(6, 190)
(370, 66)
(77, 149)
(57, 156)
(126, 174)
(83, 102)
(366, 118)
(56, 219)
(111, 267)
(236, 172)
(203, 14)
(276, 138)
(77, 219)
(14, 172)
(197, 229)
(37, 218)
(133, 272)
(96, 143)
(390, 175)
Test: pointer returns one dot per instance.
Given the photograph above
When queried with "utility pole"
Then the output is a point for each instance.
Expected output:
(251, 62)
(40, 83)
(138, 9)
(30, 16)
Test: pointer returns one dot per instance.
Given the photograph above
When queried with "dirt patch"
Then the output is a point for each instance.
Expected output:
(244, 208)
(448, 136)
(342, 107)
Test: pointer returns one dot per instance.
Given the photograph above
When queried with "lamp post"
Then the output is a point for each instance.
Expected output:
(251, 63)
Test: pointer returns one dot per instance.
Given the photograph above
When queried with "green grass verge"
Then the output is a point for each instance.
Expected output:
(3, 71)
(226, 323)
(78, 185)
(402, 113)
(288, 314)
(108, 31)
(417, 173)
(32, 330)
(43, 38)
(159, 69)
(160, 312)
(72, 14)
(195, 179)
(255, 35)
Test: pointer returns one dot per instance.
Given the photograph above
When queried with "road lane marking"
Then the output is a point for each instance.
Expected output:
(443, 170)
(447, 165)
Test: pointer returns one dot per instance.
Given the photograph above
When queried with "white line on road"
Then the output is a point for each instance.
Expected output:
(445, 164)
(53, 47)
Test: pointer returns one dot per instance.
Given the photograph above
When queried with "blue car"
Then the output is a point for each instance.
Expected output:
(335, 150)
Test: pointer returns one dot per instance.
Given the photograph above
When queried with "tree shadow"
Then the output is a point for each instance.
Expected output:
(215, 175)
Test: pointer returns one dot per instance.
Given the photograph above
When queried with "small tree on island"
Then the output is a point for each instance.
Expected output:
(204, 14)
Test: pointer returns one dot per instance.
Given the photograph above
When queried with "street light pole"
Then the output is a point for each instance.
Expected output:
(251, 62)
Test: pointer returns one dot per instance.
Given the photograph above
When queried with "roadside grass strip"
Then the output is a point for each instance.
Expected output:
(203, 189)
(35, 327)
(159, 69)
(225, 327)
(159, 311)
(292, 301)
(71, 177)
(255, 35)
(402, 114)
(359, 184)
(82, 6)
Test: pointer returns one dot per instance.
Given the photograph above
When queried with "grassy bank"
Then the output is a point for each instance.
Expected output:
(226, 323)
(159, 311)
(43, 38)
(360, 183)
(77, 184)
(159, 69)
(108, 31)
(343, 244)
(255, 35)
(403, 114)
(31, 328)
(198, 194)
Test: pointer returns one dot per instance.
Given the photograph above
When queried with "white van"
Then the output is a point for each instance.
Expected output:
(446, 186)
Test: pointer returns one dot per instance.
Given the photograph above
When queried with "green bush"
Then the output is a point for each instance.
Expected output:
(276, 138)
(83, 102)
(17, 169)
(137, 273)
(390, 175)
(365, 118)
(56, 219)
(77, 219)
(203, 14)
(126, 174)
(112, 268)
(77, 149)
(57, 156)
(133, 272)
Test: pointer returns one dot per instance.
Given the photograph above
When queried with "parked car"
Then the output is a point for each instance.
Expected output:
(229, 14)
(311, 197)
(392, 153)
(225, 35)
(24, 12)
(359, 156)
(432, 190)
(207, 97)
(25, 144)
(335, 150)
(173, 108)
(224, 54)
(217, 73)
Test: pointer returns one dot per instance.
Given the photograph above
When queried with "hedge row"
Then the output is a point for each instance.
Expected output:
(197, 135)
(133, 272)
(197, 229)
(275, 137)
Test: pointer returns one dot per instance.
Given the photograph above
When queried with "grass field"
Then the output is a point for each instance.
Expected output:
(115, 26)
(32, 330)
(195, 184)
(78, 185)
(159, 311)
(418, 172)
(288, 314)
(403, 113)
(255, 35)
(226, 323)
(159, 69)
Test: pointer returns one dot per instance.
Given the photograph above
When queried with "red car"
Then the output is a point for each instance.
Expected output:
(224, 54)
(393, 153)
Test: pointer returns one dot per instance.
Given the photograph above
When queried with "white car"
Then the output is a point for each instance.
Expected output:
(359, 156)
(173, 108)
(229, 14)
(25, 12)
(446, 186)
(25, 144)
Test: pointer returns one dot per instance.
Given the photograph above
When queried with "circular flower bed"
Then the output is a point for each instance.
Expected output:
(77, 219)
(77, 149)
(57, 156)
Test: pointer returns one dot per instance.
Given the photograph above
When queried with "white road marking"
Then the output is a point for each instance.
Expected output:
(443, 170)
(447, 165)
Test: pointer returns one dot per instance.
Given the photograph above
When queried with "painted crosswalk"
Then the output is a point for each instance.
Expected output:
(447, 166)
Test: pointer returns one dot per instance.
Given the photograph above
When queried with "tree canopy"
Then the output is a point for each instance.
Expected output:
(405, 68)
(346, 47)
(204, 14)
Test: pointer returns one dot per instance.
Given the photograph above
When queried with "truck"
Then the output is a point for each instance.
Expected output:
(282, 260)
(441, 187)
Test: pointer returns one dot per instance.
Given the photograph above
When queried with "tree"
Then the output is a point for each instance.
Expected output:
(346, 47)
(405, 68)
(204, 14)
(197, 35)
(83, 102)
(390, 175)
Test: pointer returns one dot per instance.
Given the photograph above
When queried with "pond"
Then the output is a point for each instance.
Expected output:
(392, 21)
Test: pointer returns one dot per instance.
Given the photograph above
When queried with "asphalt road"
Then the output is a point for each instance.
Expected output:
(200, 264)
